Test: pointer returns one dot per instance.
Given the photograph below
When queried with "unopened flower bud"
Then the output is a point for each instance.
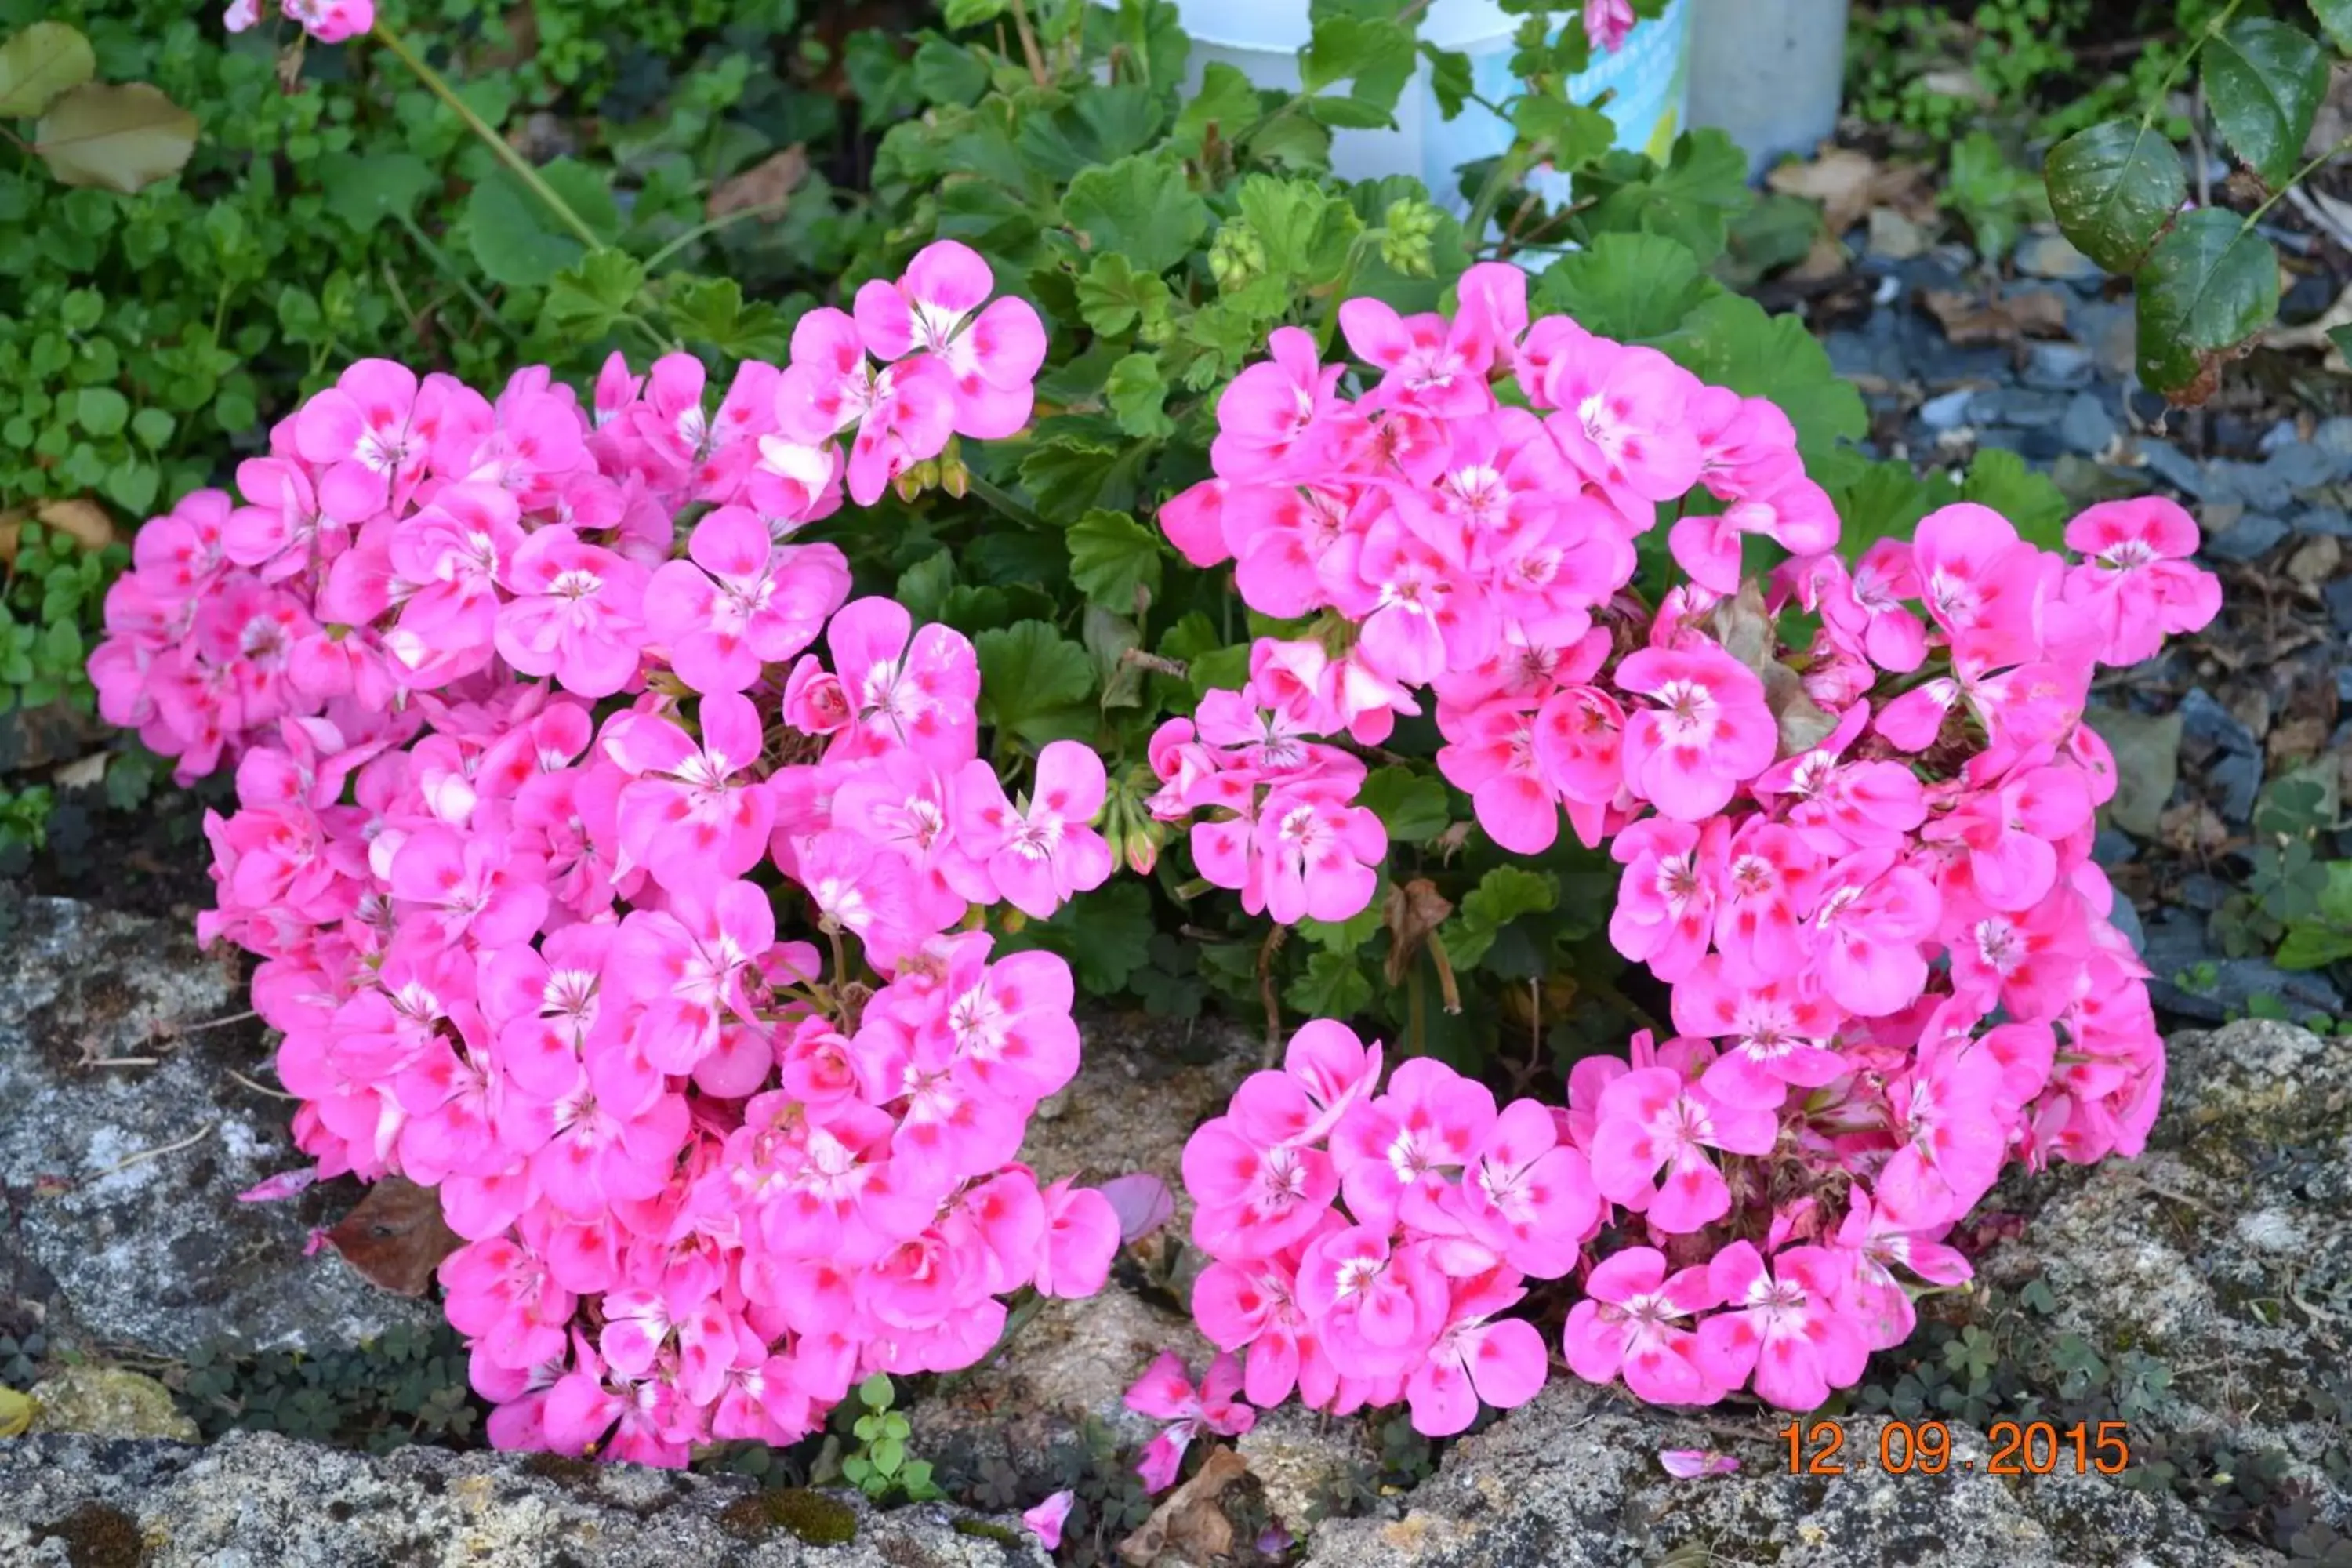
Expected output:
(1237, 257)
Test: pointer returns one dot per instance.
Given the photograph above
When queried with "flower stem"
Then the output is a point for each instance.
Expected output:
(521, 166)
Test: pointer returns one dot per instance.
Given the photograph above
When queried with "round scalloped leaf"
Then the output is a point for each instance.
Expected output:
(2113, 188)
(44, 61)
(123, 138)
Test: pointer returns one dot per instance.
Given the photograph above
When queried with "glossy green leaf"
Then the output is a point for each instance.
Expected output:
(2335, 18)
(40, 63)
(122, 138)
(2208, 286)
(1413, 806)
(2263, 82)
(2113, 188)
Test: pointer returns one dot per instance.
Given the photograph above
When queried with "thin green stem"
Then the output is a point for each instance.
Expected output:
(2293, 180)
(454, 273)
(521, 166)
(1004, 501)
(2155, 99)
(1490, 195)
(704, 230)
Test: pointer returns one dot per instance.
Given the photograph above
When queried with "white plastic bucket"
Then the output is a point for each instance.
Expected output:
(1261, 39)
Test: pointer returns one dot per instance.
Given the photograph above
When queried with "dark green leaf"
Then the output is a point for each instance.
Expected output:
(2208, 285)
(1114, 298)
(2263, 82)
(1691, 199)
(1111, 556)
(1030, 679)
(1106, 935)
(101, 410)
(1413, 806)
(2113, 188)
(1334, 986)
(1139, 206)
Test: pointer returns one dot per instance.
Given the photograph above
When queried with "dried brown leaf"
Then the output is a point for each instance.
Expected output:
(1191, 1525)
(1413, 909)
(765, 187)
(395, 1237)
(1969, 319)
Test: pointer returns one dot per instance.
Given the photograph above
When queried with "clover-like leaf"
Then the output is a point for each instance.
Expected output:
(2113, 188)
(2263, 82)
(123, 138)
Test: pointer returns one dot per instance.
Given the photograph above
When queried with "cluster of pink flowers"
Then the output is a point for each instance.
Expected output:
(1863, 865)
(1367, 1241)
(329, 21)
(537, 782)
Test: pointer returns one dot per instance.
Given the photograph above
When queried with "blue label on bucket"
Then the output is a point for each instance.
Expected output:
(1649, 77)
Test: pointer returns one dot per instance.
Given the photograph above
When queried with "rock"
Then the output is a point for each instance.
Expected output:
(2049, 256)
(2108, 327)
(2334, 436)
(1948, 411)
(2248, 536)
(2147, 765)
(257, 1500)
(1142, 1087)
(2177, 949)
(1895, 237)
(121, 1236)
(2088, 427)
(2057, 366)
(2338, 596)
(2225, 1251)
(1573, 1480)
(2204, 719)
(108, 1402)
(2023, 409)
(2329, 521)
(2304, 463)
(2175, 468)
(2316, 561)
(1299, 1457)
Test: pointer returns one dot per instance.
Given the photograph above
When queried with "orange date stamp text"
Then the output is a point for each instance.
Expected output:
(1820, 1448)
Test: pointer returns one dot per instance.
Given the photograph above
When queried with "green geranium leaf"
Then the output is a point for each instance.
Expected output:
(1372, 54)
(588, 299)
(1226, 105)
(2263, 82)
(1111, 556)
(1137, 394)
(2208, 286)
(2029, 498)
(513, 236)
(1413, 806)
(1692, 198)
(1141, 207)
(1106, 935)
(1334, 986)
(364, 192)
(1731, 341)
(1033, 682)
(44, 61)
(1502, 896)
(122, 138)
(1114, 298)
(1631, 286)
(2113, 188)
